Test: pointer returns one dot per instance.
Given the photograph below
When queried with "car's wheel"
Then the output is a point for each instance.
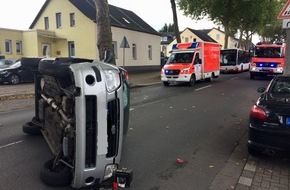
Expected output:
(30, 128)
(252, 76)
(53, 69)
(165, 83)
(192, 80)
(14, 79)
(254, 152)
(210, 79)
(60, 176)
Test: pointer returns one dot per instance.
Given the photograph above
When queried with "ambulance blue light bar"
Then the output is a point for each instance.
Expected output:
(186, 45)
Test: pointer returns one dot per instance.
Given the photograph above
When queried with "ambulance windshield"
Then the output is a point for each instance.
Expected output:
(182, 58)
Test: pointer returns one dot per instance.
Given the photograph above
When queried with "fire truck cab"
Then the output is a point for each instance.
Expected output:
(268, 59)
(189, 62)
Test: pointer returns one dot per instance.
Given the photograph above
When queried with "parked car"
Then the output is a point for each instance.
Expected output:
(269, 124)
(19, 71)
(82, 110)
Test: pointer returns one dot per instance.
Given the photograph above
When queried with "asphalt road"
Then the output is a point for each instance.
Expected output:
(198, 126)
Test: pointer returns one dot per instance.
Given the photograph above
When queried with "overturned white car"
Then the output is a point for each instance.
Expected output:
(82, 110)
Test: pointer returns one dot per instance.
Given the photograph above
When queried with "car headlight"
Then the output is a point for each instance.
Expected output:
(185, 70)
(112, 80)
(3, 72)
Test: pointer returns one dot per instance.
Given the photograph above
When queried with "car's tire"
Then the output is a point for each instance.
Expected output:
(210, 79)
(165, 83)
(254, 152)
(53, 69)
(14, 79)
(31, 129)
(252, 76)
(192, 80)
(60, 177)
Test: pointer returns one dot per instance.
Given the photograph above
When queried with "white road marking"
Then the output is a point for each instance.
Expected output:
(149, 103)
(234, 78)
(202, 88)
(10, 144)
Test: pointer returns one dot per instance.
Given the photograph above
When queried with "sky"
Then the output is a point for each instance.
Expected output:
(155, 12)
(19, 14)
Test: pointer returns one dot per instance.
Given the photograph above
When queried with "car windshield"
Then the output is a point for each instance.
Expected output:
(270, 52)
(281, 86)
(185, 57)
(15, 64)
(6, 62)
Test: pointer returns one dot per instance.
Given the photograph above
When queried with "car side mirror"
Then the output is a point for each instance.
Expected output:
(261, 90)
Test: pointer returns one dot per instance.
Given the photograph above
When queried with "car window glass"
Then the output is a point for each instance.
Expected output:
(16, 64)
(281, 86)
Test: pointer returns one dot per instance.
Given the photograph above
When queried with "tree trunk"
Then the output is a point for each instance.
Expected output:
(104, 33)
(175, 21)
(227, 32)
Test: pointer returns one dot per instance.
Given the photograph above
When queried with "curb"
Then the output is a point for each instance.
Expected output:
(230, 175)
(31, 95)
(17, 96)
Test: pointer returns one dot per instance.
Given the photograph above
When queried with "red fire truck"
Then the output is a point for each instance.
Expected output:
(268, 59)
(190, 62)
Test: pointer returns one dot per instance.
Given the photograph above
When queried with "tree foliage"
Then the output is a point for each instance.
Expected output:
(246, 17)
(167, 28)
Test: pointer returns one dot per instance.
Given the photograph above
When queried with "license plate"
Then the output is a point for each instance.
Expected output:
(288, 121)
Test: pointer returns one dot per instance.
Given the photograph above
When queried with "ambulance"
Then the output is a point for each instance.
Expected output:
(268, 59)
(190, 62)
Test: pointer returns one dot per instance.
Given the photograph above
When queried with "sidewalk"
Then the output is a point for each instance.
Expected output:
(241, 171)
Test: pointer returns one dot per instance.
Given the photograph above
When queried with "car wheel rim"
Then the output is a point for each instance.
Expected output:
(14, 79)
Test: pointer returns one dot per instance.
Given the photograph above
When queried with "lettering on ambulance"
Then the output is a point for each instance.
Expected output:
(197, 66)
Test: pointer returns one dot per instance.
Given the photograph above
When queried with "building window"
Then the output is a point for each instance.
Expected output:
(115, 48)
(71, 49)
(134, 51)
(72, 19)
(8, 46)
(164, 39)
(186, 39)
(46, 50)
(217, 37)
(58, 20)
(46, 23)
(19, 47)
(150, 52)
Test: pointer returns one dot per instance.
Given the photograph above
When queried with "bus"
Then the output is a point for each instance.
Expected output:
(234, 60)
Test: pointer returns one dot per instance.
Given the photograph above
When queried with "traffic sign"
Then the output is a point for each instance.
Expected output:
(286, 23)
(124, 43)
(285, 13)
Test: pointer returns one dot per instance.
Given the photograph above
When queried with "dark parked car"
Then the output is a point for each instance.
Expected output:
(269, 124)
(19, 71)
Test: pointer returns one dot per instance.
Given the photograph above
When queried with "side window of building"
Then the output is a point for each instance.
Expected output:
(46, 23)
(134, 51)
(19, 47)
(72, 19)
(71, 48)
(8, 46)
(115, 48)
(150, 52)
(58, 20)
(218, 37)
